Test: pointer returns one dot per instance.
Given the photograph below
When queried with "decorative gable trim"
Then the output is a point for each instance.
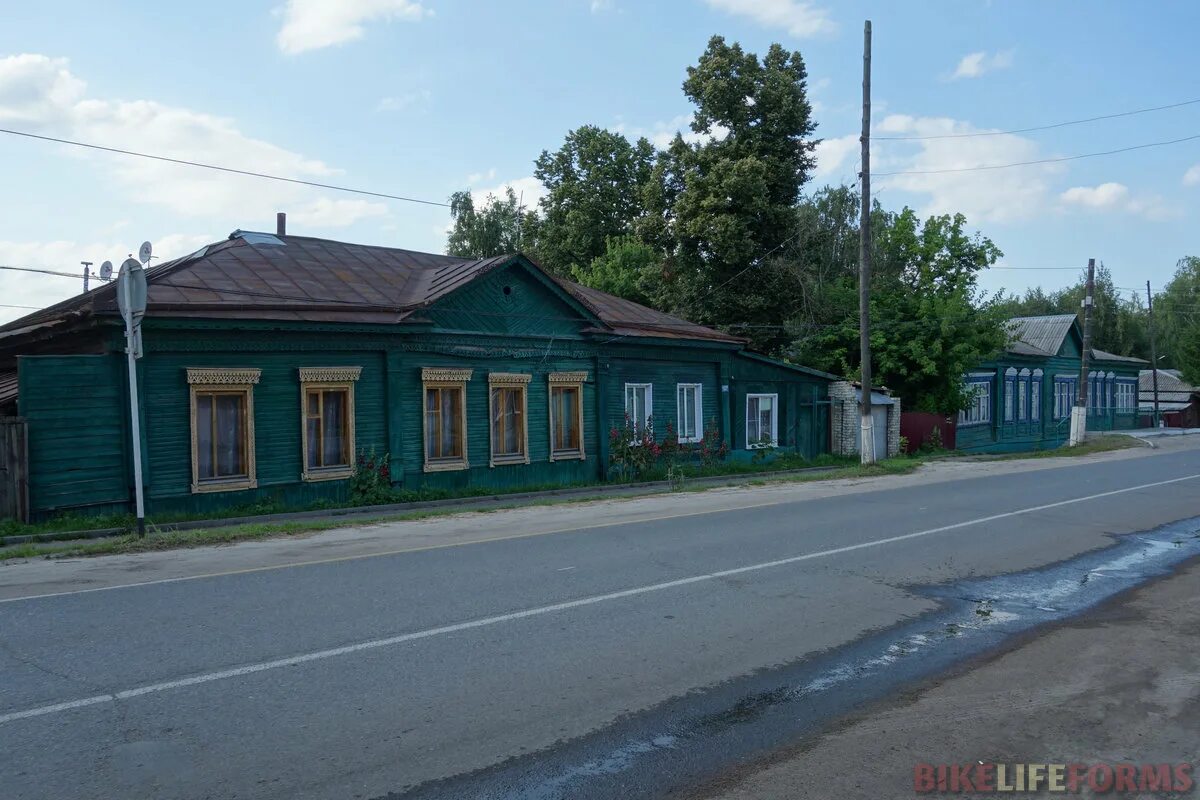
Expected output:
(445, 374)
(329, 374)
(222, 375)
(568, 377)
(508, 379)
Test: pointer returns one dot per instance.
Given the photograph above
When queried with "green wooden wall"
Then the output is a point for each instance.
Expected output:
(77, 405)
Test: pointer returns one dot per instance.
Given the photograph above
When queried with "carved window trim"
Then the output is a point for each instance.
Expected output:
(444, 378)
(327, 379)
(508, 380)
(568, 380)
(223, 380)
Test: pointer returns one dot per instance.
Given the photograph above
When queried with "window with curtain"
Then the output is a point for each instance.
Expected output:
(1035, 396)
(762, 417)
(688, 424)
(566, 414)
(508, 423)
(444, 392)
(639, 399)
(979, 409)
(327, 410)
(222, 423)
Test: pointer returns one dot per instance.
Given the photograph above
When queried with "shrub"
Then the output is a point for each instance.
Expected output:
(712, 448)
(371, 481)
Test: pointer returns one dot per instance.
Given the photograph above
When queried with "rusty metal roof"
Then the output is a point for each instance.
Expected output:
(255, 276)
(1041, 336)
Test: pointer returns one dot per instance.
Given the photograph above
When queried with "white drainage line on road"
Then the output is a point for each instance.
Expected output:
(484, 622)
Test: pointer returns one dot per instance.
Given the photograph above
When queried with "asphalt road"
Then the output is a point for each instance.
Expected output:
(368, 676)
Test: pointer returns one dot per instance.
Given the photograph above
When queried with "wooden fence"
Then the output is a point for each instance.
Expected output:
(14, 469)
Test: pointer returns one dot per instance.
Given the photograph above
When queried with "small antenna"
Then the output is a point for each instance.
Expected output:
(87, 273)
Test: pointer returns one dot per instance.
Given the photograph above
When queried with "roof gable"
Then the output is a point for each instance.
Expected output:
(1050, 335)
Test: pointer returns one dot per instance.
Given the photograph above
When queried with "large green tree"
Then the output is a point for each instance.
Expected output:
(594, 183)
(721, 208)
(1177, 319)
(495, 228)
(929, 322)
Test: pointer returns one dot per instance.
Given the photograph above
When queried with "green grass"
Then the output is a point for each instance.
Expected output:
(1101, 444)
(167, 540)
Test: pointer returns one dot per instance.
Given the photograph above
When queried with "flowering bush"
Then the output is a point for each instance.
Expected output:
(371, 481)
(634, 452)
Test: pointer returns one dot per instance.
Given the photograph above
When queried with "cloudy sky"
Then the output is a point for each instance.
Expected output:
(420, 98)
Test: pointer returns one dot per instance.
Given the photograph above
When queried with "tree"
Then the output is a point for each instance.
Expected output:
(628, 268)
(930, 323)
(1177, 319)
(594, 185)
(494, 229)
(722, 208)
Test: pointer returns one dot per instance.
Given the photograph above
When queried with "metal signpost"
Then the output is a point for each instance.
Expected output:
(131, 299)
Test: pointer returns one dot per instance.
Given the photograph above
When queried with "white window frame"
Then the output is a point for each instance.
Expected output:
(1010, 387)
(640, 425)
(1035, 388)
(698, 409)
(980, 410)
(774, 420)
(1023, 395)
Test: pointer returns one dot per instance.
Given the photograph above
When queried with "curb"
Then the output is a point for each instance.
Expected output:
(466, 503)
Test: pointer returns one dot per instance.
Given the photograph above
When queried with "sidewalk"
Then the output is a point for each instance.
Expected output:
(1120, 684)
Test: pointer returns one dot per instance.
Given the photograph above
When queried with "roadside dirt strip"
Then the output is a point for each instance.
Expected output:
(1119, 685)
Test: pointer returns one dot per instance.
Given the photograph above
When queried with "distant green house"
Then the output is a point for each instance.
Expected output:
(273, 361)
(1023, 397)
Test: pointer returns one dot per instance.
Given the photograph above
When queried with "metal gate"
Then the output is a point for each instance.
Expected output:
(14, 469)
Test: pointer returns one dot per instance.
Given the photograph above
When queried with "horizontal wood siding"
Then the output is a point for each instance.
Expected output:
(527, 308)
(76, 408)
(803, 415)
(665, 376)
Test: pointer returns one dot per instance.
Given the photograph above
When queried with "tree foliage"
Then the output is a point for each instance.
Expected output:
(628, 268)
(1177, 319)
(492, 230)
(594, 183)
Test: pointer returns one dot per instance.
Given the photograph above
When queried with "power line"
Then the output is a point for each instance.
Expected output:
(1036, 127)
(76, 275)
(1041, 160)
(220, 168)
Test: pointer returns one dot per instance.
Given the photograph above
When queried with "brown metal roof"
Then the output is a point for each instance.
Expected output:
(263, 276)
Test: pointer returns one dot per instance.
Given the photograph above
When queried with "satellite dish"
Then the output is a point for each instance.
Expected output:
(144, 253)
(106, 271)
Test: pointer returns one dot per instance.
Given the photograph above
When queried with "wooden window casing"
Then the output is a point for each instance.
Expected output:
(444, 408)
(208, 387)
(317, 386)
(566, 415)
(508, 418)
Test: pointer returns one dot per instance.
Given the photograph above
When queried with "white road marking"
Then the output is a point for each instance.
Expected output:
(538, 611)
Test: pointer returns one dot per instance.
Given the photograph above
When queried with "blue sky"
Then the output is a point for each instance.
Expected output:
(423, 97)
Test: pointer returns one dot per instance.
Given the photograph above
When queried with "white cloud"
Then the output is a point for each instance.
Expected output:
(64, 255)
(405, 101)
(479, 177)
(1117, 197)
(42, 95)
(1000, 195)
(661, 133)
(836, 156)
(799, 18)
(1192, 176)
(600, 6)
(1106, 195)
(313, 24)
(529, 190)
(974, 65)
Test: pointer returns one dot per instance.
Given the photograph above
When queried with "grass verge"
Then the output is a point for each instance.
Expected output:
(1101, 444)
(168, 540)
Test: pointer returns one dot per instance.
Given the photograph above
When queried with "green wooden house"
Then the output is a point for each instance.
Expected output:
(271, 362)
(1023, 397)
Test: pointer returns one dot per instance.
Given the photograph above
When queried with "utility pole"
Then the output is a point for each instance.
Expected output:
(1153, 349)
(86, 273)
(866, 442)
(1079, 412)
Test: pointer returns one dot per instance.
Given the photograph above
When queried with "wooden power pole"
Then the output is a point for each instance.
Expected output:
(1153, 349)
(866, 444)
(1079, 412)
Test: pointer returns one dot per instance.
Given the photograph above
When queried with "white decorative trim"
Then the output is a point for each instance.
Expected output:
(508, 379)
(329, 374)
(568, 377)
(445, 374)
(699, 387)
(222, 375)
